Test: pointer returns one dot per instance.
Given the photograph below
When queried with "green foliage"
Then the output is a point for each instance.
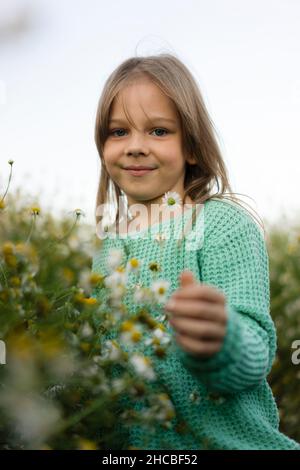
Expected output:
(52, 392)
(59, 388)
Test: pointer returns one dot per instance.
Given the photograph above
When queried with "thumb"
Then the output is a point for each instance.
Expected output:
(187, 278)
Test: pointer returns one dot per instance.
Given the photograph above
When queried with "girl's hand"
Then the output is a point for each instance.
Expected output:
(198, 315)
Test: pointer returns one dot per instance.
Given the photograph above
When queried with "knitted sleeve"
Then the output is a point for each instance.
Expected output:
(234, 259)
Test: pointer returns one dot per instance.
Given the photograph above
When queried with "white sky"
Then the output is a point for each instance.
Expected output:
(245, 56)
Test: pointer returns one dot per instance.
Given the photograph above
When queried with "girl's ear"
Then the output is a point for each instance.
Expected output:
(191, 160)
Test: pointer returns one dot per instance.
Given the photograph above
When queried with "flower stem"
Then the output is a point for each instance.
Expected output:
(9, 180)
(4, 275)
(31, 228)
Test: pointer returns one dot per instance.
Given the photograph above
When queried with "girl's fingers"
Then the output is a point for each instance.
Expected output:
(198, 348)
(196, 309)
(202, 330)
(201, 292)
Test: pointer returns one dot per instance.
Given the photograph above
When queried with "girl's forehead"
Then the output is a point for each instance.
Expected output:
(140, 91)
(144, 96)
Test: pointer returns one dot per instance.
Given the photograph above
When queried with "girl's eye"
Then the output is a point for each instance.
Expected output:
(122, 130)
(160, 129)
(117, 130)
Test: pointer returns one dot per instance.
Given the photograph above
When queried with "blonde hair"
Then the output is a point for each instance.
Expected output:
(198, 133)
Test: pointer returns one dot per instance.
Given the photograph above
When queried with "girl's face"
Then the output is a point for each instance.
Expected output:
(157, 145)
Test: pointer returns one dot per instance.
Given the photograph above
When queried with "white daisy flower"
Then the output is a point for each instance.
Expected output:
(116, 280)
(162, 318)
(84, 281)
(117, 314)
(142, 295)
(111, 351)
(159, 338)
(160, 289)
(114, 259)
(138, 295)
(172, 199)
(142, 366)
(86, 330)
(130, 333)
(126, 338)
(167, 410)
(116, 302)
(118, 385)
(133, 265)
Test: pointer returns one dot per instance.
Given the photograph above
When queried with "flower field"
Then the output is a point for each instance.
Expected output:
(57, 386)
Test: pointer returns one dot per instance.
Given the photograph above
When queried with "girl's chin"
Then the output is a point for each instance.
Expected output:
(146, 199)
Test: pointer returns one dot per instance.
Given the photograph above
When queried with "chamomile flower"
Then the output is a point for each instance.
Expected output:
(142, 295)
(159, 337)
(130, 333)
(172, 199)
(116, 280)
(86, 330)
(117, 312)
(133, 265)
(114, 258)
(142, 366)
(35, 211)
(194, 396)
(116, 302)
(118, 385)
(111, 351)
(79, 213)
(165, 408)
(84, 280)
(159, 289)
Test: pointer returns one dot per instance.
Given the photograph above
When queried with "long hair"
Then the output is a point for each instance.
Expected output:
(198, 132)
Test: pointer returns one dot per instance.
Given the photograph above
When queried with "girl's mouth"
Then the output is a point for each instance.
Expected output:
(139, 172)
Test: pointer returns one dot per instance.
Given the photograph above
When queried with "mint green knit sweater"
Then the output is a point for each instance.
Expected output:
(235, 408)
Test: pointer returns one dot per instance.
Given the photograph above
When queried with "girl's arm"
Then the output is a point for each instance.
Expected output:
(237, 264)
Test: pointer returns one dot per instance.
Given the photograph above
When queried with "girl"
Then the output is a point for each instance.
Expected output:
(154, 137)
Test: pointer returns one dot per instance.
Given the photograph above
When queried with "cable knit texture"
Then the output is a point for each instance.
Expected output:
(235, 408)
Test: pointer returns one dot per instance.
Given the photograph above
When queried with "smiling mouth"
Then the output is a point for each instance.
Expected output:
(140, 172)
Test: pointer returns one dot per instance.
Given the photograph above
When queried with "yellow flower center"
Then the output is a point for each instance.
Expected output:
(127, 326)
(90, 301)
(171, 201)
(95, 278)
(35, 210)
(136, 336)
(154, 267)
(7, 248)
(134, 262)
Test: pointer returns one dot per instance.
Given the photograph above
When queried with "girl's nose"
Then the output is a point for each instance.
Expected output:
(137, 146)
(136, 153)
